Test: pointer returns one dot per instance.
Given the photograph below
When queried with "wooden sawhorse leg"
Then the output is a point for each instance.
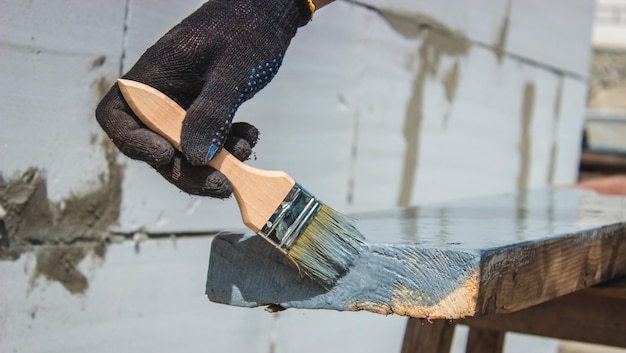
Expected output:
(484, 341)
(422, 336)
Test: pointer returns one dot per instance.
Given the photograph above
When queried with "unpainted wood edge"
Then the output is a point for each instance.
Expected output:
(458, 304)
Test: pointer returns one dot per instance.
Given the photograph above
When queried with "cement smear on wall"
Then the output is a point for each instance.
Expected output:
(60, 234)
(528, 106)
(437, 41)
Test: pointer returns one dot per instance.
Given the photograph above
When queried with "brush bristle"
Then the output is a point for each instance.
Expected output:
(327, 247)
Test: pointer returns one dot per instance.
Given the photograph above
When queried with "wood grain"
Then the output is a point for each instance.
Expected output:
(592, 315)
(516, 278)
(461, 259)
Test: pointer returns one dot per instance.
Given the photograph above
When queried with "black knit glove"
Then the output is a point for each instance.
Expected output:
(210, 63)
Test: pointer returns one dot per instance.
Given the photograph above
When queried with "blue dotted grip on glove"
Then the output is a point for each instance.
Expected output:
(259, 77)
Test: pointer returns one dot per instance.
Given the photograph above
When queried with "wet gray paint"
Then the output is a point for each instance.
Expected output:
(383, 274)
(522, 210)
(447, 244)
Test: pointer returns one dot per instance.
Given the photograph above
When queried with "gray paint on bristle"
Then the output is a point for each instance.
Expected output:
(464, 258)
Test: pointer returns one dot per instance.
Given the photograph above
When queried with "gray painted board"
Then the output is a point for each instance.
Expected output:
(464, 258)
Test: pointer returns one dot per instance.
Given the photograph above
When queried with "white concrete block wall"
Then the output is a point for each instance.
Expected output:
(334, 118)
(152, 301)
(55, 60)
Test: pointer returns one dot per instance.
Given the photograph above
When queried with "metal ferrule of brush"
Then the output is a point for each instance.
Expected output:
(291, 218)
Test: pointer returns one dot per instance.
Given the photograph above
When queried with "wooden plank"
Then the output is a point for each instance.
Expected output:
(422, 336)
(407, 280)
(584, 316)
(484, 341)
(464, 258)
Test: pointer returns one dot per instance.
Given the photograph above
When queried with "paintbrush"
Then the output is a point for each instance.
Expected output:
(321, 242)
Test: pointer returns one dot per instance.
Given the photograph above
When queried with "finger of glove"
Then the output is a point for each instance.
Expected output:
(207, 124)
(201, 181)
(238, 147)
(128, 134)
(246, 131)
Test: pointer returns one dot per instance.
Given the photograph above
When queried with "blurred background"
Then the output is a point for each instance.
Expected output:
(417, 103)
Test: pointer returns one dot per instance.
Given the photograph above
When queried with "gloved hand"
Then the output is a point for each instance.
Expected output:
(210, 63)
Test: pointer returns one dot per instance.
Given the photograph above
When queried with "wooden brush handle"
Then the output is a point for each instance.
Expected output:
(258, 192)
